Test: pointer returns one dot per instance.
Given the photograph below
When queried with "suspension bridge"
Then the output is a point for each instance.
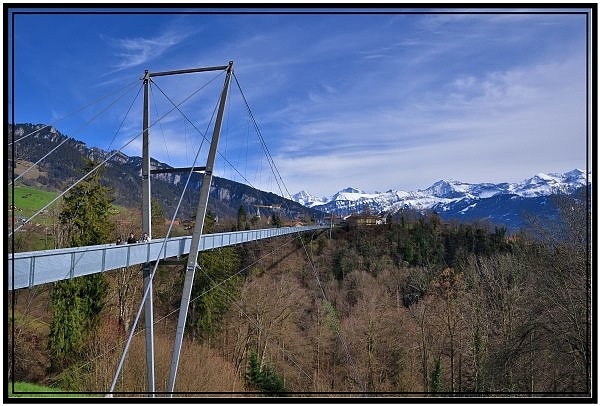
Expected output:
(34, 268)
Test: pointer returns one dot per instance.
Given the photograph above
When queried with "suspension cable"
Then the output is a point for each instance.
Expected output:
(162, 247)
(176, 106)
(124, 117)
(203, 135)
(166, 316)
(270, 160)
(162, 131)
(278, 179)
(146, 292)
(68, 138)
(52, 124)
(73, 185)
(276, 175)
(99, 165)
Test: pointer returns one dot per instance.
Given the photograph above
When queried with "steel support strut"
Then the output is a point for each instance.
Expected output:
(197, 233)
(147, 227)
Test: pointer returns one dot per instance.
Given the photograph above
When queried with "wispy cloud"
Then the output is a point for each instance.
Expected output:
(478, 127)
(418, 94)
(133, 52)
(370, 101)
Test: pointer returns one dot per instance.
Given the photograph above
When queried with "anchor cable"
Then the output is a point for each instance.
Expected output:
(68, 138)
(204, 136)
(279, 179)
(52, 124)
(101, 163)
(162, 247)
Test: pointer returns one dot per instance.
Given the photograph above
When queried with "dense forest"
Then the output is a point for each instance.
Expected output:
(415, 306)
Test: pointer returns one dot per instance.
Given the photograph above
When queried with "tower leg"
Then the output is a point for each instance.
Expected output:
(149, 322)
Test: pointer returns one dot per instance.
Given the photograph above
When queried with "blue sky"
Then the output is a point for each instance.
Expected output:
(394, 100)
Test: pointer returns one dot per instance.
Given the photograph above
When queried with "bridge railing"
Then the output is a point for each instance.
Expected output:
(27, 269)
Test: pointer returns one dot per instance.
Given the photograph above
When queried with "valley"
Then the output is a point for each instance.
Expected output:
(420, 305)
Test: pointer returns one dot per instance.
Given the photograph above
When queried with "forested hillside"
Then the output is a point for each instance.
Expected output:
(418, 306)
(60, 161)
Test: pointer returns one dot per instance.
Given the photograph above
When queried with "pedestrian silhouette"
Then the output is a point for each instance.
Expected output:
(131, 239)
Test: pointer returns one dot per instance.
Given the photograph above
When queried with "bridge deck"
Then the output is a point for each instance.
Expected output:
(27, 269)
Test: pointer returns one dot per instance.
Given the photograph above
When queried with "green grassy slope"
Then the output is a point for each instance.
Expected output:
(28, 200)
(40, 391)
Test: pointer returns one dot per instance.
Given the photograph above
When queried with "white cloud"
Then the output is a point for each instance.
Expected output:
(133, 52)
(498, 126)
(380, 102)
(429, 110)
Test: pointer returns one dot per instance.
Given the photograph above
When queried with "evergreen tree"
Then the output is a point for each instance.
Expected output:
(216, 284)
(263, 377)
(158, 219)
(277, 220)
(66, 333)
(253, 376)
(76, 303)
(85, 212)
(210, 220)
(242, 218)
(436, 376)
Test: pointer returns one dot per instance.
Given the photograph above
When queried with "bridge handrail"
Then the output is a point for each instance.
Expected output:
(33, 268)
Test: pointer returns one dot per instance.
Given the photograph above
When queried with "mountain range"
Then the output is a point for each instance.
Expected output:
(122, 174)
(508, 204)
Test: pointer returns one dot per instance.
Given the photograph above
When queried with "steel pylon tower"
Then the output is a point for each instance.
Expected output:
(200, 214)
(197, 233)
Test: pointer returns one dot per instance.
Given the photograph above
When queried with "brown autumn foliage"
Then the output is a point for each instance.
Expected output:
(376, 310)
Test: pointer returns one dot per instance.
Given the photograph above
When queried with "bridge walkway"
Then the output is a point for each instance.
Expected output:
(28, 269)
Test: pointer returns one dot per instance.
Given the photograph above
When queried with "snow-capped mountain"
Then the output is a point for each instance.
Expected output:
(308, 200)
(451, 198)
(546, 184)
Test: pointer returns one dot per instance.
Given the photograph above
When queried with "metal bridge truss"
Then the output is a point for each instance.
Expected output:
(28, 269)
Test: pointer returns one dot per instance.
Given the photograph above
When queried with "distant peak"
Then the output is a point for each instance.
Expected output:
(544, 176)
(445, 189)
(574, 173)
(351, 190)
(302, 193)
